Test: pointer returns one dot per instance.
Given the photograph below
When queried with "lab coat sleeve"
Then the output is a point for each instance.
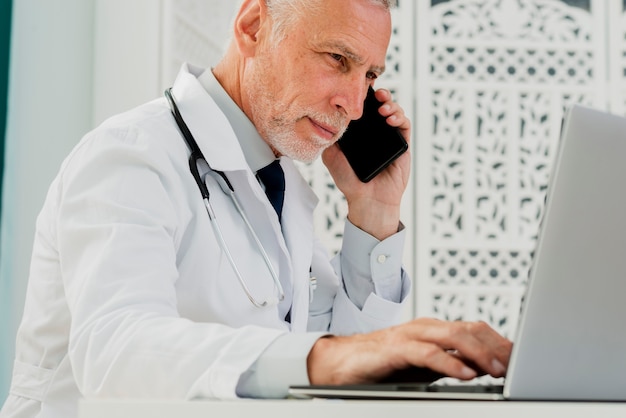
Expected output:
(282, 364)
(117, 233)
(367, 288)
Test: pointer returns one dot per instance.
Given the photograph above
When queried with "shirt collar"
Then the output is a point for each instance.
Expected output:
(255, 150)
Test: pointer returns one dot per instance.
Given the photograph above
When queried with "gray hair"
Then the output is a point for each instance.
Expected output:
(285, 13)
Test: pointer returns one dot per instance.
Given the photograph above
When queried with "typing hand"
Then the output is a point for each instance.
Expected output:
(457, 349)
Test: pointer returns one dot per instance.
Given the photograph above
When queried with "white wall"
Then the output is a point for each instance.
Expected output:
(127, 55)
(73, 64)
(49, 109)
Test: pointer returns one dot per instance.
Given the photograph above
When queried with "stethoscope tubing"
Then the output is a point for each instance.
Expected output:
(227, 188)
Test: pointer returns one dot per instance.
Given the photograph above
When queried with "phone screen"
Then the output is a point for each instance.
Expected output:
(369, 143)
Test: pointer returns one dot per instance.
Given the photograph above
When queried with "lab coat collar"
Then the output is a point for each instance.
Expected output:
(214, 134)
(257, 152)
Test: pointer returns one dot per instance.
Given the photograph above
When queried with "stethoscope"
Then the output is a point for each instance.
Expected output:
(196, 158)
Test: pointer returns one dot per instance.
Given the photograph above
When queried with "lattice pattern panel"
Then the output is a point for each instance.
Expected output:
(482, 285)
(617, 42)
(492, 307)
(523, 65)
(474, 162)
(524, 41)
(501, 74)
(488, 20)
(484, 268)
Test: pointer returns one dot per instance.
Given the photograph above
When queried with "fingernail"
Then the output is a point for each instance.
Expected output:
(498, 367)
(467, 373)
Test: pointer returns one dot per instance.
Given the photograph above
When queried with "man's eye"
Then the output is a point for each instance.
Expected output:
(336, 57)
(372, 76)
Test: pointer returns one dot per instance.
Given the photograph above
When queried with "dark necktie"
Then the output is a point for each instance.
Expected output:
(273, 179)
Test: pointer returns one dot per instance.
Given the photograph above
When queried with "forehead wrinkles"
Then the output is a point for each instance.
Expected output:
(360, 32)
(323, 23)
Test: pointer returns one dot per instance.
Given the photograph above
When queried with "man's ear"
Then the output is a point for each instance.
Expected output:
(249, 22)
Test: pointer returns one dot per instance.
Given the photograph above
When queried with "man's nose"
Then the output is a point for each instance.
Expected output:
(351, 98)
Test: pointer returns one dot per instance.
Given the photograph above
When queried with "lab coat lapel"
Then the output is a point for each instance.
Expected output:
(300, 202)
(209, 126)
(220, 146)
(290, 247)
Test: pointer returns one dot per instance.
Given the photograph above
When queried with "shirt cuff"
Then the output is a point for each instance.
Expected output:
(372, 266)
(282, 364)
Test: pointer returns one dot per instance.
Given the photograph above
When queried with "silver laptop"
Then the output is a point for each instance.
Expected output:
(571, 339)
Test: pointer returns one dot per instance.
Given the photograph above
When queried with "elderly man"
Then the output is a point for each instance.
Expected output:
(148, 279)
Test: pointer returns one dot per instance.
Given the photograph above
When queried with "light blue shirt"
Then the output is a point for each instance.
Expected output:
(284, 362)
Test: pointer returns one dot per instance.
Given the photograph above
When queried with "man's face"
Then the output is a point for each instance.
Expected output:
(302, 93)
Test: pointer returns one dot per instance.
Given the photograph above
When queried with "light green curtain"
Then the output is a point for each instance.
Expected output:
(6, 323)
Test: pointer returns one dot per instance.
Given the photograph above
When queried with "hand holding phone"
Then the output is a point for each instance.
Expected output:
(370, 144)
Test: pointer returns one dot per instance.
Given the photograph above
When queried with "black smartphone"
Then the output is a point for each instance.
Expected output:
(369, 143)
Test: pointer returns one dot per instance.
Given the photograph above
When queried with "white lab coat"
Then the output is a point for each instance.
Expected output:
(129, 293)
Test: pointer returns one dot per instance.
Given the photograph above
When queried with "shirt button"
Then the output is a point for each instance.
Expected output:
(381, 258)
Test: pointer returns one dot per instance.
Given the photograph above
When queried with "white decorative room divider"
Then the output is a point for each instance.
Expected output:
(493, 84)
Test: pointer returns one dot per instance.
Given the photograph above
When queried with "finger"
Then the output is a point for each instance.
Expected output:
(393, 112)
(396, 117)
(435, 358)
(383, 95)
(476, 342)
(400, 121)
(499, 346)
(481, 345)
(387, 106)
(391, 108)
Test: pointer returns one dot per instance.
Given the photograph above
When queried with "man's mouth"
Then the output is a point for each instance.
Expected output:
(327, 131)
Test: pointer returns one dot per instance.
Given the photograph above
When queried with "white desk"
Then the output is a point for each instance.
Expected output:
(348, 409)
